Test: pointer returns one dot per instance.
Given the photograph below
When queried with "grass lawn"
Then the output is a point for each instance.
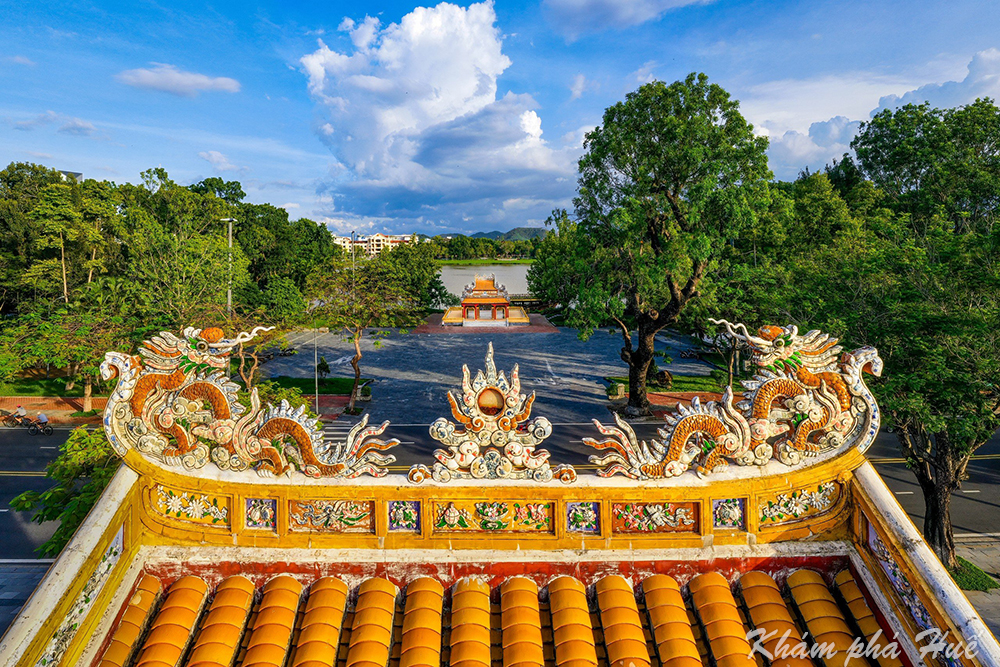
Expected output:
(43, 387)
(971, 578)
(480, 262)
(681, 383)
(338, 386)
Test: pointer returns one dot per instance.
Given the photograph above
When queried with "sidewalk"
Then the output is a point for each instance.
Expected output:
(983, 551)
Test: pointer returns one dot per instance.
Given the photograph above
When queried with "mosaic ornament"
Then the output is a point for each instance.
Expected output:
(197, 507)
(806, 398)
(331, 516)
(729, 513)
(63, 637)
(261, 513)
(175, 403)
(799, 504)
(654, 517)
(494, 516)
(900, 584)
(404, 515)
(583, 517)
(493, 438)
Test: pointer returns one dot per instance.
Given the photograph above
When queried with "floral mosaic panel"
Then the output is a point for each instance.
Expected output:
(404, 516)
(84, 601)
(583, 517)
(497, 516)
(654, 518)
(901, 585)
(799, 504)
(261, 513)
(192, 507)
(331, 516)
(729, 513)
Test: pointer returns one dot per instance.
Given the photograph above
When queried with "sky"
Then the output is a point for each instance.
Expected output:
(400, 117)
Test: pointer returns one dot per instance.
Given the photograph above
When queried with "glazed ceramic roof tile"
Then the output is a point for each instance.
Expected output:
(371, 630)
(222, 627)
(822, 616)
(133, 623)
(861, 613)
(716, 609)
(270, 638)
(170, 631)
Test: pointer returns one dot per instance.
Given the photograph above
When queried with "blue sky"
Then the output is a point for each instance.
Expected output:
(393, 116)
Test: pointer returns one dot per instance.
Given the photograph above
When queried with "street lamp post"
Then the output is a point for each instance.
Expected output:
(229, 289)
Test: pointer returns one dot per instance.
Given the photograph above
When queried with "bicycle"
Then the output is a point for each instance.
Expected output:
(12, 420)
(37, 427)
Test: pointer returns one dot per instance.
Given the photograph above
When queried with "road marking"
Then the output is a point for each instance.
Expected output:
(974, 457)
(22, 473)
(48, 448)
(904, 493)
(7, 510)
(971, 490)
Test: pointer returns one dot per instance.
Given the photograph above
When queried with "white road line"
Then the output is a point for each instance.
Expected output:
(971, 490)
(904, 493)
(48, 448)
(5, 510)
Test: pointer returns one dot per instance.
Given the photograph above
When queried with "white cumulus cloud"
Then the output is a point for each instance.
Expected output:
(789, 111)
(169, 79)
(219, 161)
(412, 114)
(67, 124)
(573, 18)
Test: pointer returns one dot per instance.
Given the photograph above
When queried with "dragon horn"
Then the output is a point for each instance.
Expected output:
(734, 332)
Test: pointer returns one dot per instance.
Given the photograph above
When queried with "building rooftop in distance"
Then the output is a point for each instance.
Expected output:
(235, 535)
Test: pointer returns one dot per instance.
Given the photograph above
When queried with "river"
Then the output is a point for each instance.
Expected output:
(514, 276)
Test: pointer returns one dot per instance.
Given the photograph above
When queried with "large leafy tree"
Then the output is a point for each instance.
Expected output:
(355, 295)
(928, 293)
(672, 174)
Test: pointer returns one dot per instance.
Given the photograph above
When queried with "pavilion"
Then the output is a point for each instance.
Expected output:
(485, 303)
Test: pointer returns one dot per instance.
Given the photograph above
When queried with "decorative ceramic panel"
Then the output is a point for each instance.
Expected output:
(84, 601)
(499, 516)
(825, 404)
(654, 518)
(192, 507)
(583, 517)
(404, 516)
(798, 504)
(729, 513)
(331, 516)
(261, 513)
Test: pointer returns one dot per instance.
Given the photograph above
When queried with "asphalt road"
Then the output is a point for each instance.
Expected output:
(23, 459)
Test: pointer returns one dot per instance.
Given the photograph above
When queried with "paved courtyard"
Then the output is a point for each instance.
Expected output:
(413, 371)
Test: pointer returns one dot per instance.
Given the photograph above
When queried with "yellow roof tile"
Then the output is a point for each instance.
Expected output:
(706, 580)
(425, 584)
(424, 600)
(570, 616)
(512, 599)
(373, 616)
(613, 582)
(371, 633)
(187, 598)
(190, 582)
(421, 656)
(658, 582)
(800, 577)
(615, 598)
(753, 579)
(477, 615)
(368, 651)
(265, 654)
(285, 583)
(326, 597)
(274, 634)
(622, 632)
(710, 613)
(519, 584)
(236, 582)
(470, 652)
(471, 584)
(470, 632)
(523, 652)
(619, 615)
(818, 609)
(565, 582)
(281, 616)
(422, 619)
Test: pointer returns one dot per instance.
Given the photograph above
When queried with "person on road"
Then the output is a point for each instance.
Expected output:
(43, 419)
(21, 412)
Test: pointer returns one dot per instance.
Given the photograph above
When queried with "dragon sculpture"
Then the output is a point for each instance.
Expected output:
(175, 403)
(806, 398)
(497, 441)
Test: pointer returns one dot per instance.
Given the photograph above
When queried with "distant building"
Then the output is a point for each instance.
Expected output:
(374, 244)
(74, 175)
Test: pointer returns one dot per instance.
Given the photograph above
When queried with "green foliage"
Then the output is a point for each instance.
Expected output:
(323, 367)
(669, 179)
(337, 386)
(85, 465)
(412, 266)
(971, 578)
(273, 392)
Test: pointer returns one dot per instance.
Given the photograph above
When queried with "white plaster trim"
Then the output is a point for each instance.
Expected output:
(937, 581)
(66, 569)
(173, 555)
(888, 611)
(89, 655)
(586, 479)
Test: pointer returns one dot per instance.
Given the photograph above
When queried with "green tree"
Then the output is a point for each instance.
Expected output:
(323, 367)
(924, 286)
(84, 467)
(354, 297)
(671, 176)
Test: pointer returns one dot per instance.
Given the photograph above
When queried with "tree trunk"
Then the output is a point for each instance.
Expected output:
(938, 530)
(88, 390)
(71, 379)
(90, 273)
(62, 260)
(356, 365)
(638, 365)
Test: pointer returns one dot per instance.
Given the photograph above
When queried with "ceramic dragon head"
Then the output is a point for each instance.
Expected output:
(782, 348)
(197, 347)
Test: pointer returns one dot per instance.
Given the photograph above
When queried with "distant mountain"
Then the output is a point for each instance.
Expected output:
(516, 234)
